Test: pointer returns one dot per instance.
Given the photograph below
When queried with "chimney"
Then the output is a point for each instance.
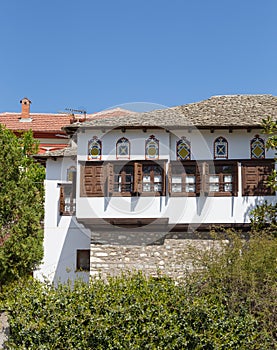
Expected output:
(25, 110)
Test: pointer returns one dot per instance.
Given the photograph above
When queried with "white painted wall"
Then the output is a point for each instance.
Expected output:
(63, 235)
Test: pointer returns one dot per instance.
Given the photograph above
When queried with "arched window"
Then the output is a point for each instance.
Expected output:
(123, 148)
(152, 148)
(94, 148)
(220, 148)
(257, 146)
(183, 149)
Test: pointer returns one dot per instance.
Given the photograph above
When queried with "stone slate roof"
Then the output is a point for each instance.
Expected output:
(237, 111)
(69, 151)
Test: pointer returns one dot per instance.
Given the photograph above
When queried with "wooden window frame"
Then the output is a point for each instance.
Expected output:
(79, 255)
(63, 204)
(123, 183)
(183, 164)
(221, 174)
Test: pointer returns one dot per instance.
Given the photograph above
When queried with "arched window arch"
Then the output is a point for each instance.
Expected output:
(94, 148)
(152, 148)
(183, 150)
(257, 147)
(220, 148)
(123, 148)
(71, 173)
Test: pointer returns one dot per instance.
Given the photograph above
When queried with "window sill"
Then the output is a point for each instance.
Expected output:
(182, 194)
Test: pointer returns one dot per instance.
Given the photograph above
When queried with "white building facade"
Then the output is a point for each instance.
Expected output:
(143, 179)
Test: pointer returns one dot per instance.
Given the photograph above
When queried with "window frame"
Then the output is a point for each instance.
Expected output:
(72, 198)
(221, 174)
(224, 140)
(79, 252)
(184, 164)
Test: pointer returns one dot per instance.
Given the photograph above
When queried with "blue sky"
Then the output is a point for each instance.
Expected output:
(97, 54)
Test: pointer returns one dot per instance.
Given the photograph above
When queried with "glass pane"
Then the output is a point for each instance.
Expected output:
(214, 187)
(213, 179)
(176, 179)
(228, 187)
(146, 178)
(158, 178)
(176, 187)
(157, 187)
(190, 188)
(227, 178)
(190, 179)
(146, 187)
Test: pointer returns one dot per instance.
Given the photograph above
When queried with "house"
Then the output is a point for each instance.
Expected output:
(46, 127)
(130, 191)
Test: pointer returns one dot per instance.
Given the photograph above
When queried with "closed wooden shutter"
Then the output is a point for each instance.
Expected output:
(205, 178)
(62, 200)
(198, 178)
(164, 179)
(235, 179)
(254, 178)
(169, 178)
(92, 181)
(110, 178)
(137, 177)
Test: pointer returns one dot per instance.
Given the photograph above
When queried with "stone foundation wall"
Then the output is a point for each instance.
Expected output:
(170, 257)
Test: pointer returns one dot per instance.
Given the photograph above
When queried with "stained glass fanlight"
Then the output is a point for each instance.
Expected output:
(220, 148)
(94, 148)
(257, 146)
(152, 148)
(183, 149)
(123, 148)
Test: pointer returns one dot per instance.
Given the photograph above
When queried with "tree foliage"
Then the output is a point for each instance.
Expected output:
(264, 216)
(21, 206)
(129, 312)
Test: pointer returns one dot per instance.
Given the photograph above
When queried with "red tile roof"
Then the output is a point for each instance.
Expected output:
(39, 122)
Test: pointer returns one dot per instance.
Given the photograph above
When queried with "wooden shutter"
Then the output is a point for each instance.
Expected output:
(254, 178)
(169, 178)
(164, 179)
(235, 179)
(205, 178)
(62, 200)
(92, 180)
(110, 178)
(137, 177)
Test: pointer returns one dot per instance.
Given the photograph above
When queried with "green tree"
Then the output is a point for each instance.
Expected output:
(21, 206)
(264, 216)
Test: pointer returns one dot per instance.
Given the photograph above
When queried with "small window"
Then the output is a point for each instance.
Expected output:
(94, 149)
(68, 199)
(183, 149)
(152, 178)
(123, 178)
(182, 178)
(220, 148)
(123, 148)
(257, 146)
(83, 260)
(222, 179)
(152, 148)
